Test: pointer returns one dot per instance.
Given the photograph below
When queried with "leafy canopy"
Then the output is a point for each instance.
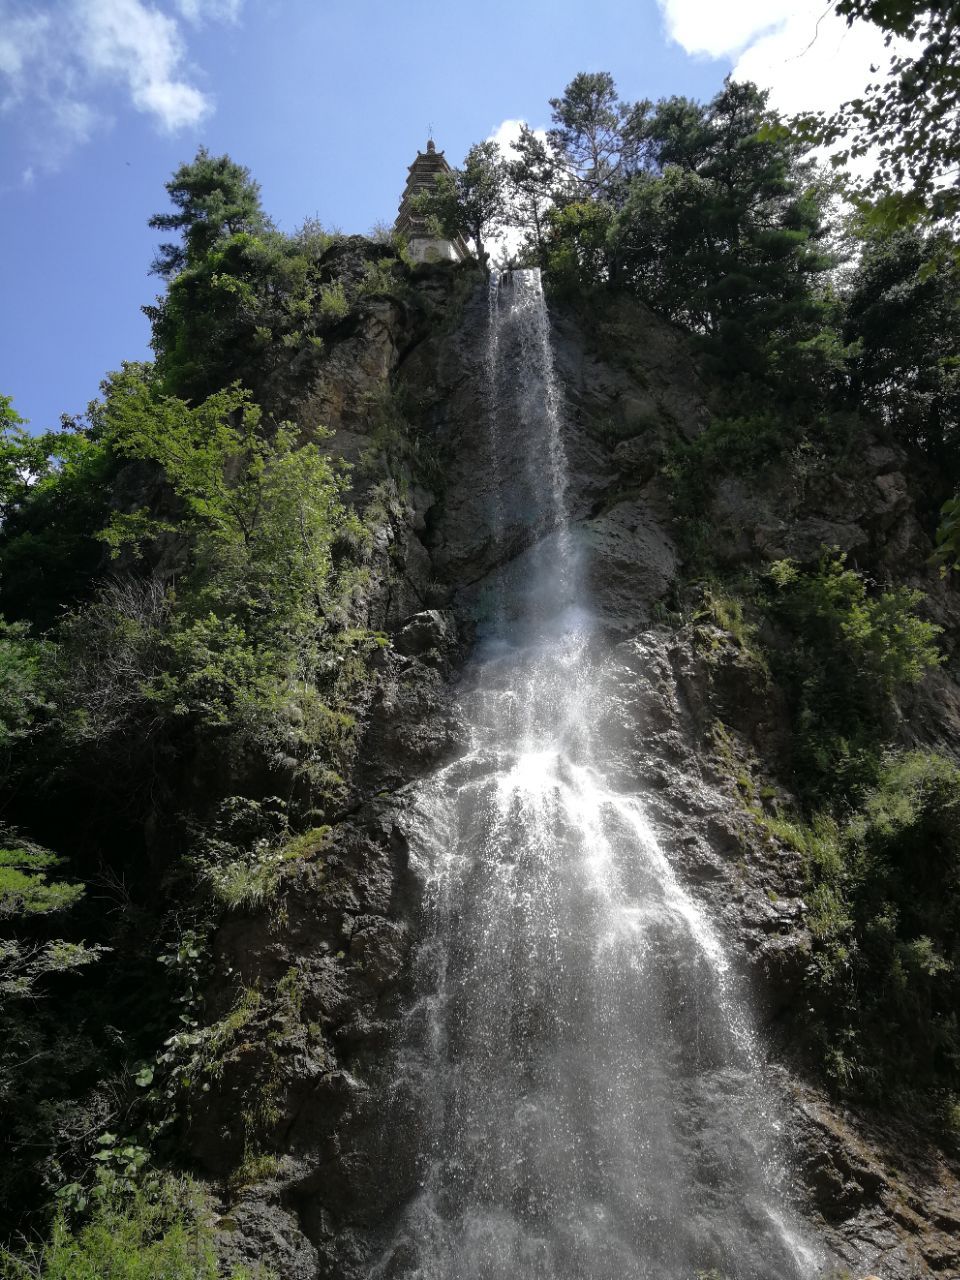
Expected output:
(909, 118)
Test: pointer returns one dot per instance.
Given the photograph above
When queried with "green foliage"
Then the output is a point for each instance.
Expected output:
(884, 638)
(214, 199)
(24, 886)
(597, 136)
(849, 650)
(23, 458)
(250, 307)
(39, 1051)
(726, 446)
(948, 533)
(907, 119)
(24, 663)
(380, 280)
(246, 637)
(185, 588)
(725, 612)
(723, 234)
(243, 300)
(249, 850)
(885, 915)
(53, 496)
(161, 1228)
(534, 179)
(576, 245)
(333, 301)
(28, 892)
(469, 201)
(901, 309)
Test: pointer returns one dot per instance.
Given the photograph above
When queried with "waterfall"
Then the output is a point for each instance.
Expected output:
(576, 1069)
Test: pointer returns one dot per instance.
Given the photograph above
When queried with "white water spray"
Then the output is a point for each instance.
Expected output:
(581, 1077)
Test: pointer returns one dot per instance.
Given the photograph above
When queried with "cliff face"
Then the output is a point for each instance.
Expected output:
(292, 1129)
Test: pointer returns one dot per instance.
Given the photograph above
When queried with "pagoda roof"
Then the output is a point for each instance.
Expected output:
(421, 175)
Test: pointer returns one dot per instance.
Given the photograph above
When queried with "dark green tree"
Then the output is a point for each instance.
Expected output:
(725, 233)
(577, 245)
(213, 198)
(901, 311)
(534, 177)
(52, 498)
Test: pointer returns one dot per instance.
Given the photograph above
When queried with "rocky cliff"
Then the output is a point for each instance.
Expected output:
(289, 1129)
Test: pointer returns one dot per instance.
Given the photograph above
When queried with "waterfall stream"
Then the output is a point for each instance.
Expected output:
(580, 1074)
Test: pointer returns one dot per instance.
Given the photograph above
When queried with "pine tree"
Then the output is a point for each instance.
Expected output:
(724, 233)
(597, 135)
(214, 198)
(534, 178)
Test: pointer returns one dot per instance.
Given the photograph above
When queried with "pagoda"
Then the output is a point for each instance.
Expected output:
(422, 245)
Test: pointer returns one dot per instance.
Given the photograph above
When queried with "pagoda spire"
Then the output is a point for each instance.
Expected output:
(422, 245)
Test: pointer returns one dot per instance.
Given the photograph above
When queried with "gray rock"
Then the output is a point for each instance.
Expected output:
(424, 631)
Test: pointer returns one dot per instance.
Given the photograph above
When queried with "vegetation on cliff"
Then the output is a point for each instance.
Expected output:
(186, 655)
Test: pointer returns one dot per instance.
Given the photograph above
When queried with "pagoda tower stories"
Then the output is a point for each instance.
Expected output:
(421, 244)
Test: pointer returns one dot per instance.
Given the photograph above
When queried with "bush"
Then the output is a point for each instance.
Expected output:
(846, 650)
(254, 642)
(24, 673)
(158, 1231)
(885, 914)
(333, 301)
(727, 446)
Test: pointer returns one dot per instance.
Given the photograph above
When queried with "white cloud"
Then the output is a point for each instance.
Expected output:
(807, 57)
(59, 70)
(75, 120)
(20, 37)
(507, 132)
(125, 40)
(197, 11)
(714, 29)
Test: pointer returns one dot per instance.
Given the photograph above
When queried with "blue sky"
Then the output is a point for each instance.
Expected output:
(325, 101)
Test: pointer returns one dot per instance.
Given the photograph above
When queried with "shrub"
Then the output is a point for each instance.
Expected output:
(727, 445)
(846, 650)
(333, 301)
(885, 915)
(881, 634)
(24, 671)
(159, 1229)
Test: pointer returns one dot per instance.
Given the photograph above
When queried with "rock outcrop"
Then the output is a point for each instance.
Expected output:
(291, 1128)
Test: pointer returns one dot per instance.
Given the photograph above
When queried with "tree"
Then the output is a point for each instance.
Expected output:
(533, 178)
(598, 136)
(723, 233)
(909, 120)
(52, 498)
(577, 245)
(470, 201)
(901, 311)
(214, 198)
(22, 458)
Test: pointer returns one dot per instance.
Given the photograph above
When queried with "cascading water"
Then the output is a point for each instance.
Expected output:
(581, 1080)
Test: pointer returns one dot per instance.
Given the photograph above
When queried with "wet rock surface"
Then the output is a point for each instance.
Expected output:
(883, 1200)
